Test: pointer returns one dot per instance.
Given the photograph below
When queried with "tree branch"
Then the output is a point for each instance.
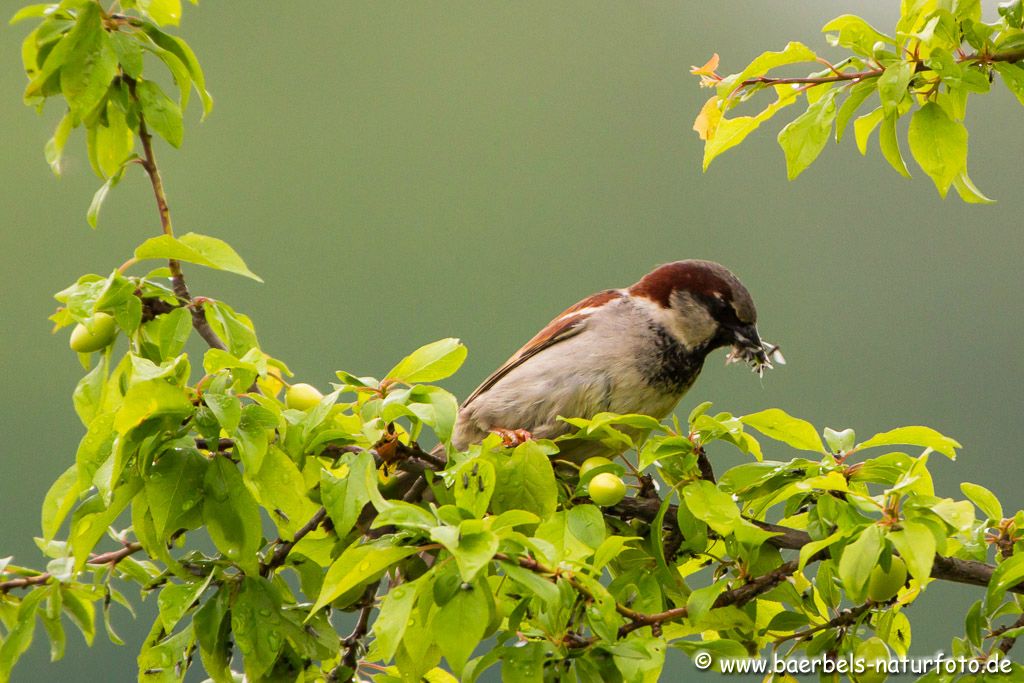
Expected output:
(945, 568)
(844, 618)
(1010, 56)
(111, 558)
(284, 547)
(1006, 644)
(148, 163)
(353, 643)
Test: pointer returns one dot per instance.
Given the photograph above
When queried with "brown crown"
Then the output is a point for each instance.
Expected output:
(703, 278)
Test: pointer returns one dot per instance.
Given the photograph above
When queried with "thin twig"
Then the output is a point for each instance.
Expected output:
(1010, 56)
(148, 163)
(353, 643)
(284, 547)
(844, 618)
(1006, 644)
(111, 558)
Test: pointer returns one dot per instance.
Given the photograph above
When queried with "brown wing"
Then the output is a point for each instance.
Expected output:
(569, 323)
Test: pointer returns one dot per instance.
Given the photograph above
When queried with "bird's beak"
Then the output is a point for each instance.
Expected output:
(752, 350)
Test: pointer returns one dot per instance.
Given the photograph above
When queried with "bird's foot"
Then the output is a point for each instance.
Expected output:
(512, 437)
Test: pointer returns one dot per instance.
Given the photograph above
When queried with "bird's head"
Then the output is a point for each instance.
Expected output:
(705, 307)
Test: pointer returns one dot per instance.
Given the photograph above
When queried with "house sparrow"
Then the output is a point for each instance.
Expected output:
(634, 350)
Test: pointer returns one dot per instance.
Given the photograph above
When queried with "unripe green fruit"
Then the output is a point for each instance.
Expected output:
(606, 489)
(871, 651)
(592, 463)
(883, 585)
(104, 329)
(302, 396)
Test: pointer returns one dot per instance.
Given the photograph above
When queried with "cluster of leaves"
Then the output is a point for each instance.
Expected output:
(939, 54)
(95, 61)
(257, 521)
(219, 478)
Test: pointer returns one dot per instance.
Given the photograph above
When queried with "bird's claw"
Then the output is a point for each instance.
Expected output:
(511, 438)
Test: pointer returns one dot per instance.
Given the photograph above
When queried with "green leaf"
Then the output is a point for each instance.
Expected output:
(587, 524)
(54, 149)
(90, 522)
(968, 191)
(712, 506)
(792, 53)
(700, 601)
(984, 499)
(92, 216)
(892, 86)
(925, 437)
(59, 501)
(20, 636)
(256, 625)
(152, 399)
(811, 549)
(345, 496)
(851, 104)
(805, 137)
(162, 114)
(129, 53)
(731, 132)
(430, 363)
(1008, 574)
(166, 658)
(162, 12)
(839, 441)
(435, 407)
(176, 599)
(37, 11)
(890, 146)
(472, 551)
(859, 558)
(111, 144)
(461, 622)
(939, 145)
(212, 632)
(226, 408)
(474, 485)
(358, 565)
(174, 488)
(280, 488)
(199, 249)
(864, 126)
(1013, 77)
(916, 545)
(854, 33)
(779, 425)
(231, 514)
(178, 50)
(525, 481)
(542, 587)
(393, 618)
(90, 64)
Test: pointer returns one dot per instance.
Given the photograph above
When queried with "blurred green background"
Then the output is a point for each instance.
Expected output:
(400, 172)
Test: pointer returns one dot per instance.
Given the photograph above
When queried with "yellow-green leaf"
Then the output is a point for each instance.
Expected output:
(430, 363)
(925, 437)
(199, 249)
(939, 145)
(779, 425)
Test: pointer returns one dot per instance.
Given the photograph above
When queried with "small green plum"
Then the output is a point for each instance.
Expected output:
(593, 463)
(104, 329)
(883, 585)
(302, 396)
(606, 489)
